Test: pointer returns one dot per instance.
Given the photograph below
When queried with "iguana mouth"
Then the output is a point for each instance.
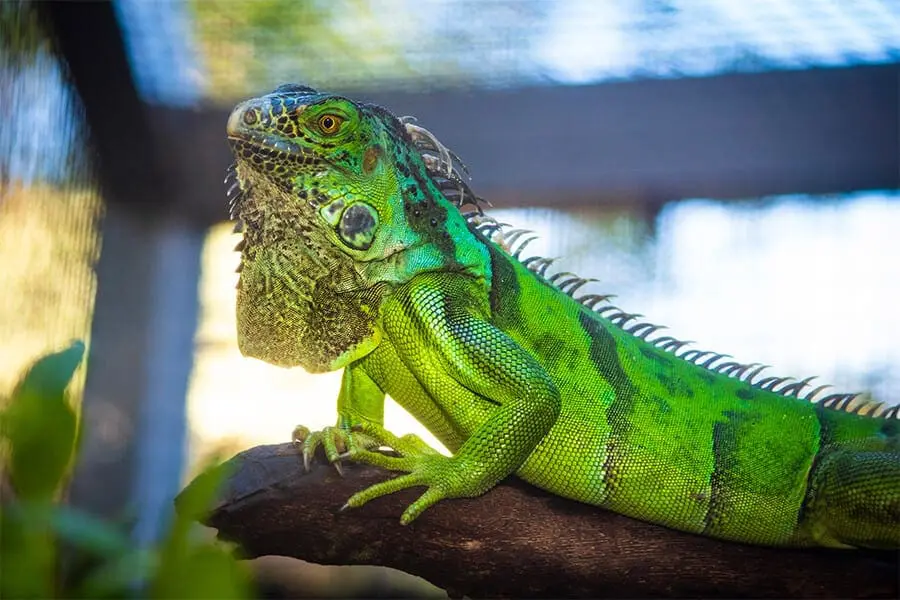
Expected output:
(264, 154)
(269, 147)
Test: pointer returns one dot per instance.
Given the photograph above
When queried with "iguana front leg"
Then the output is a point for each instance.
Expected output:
(465, 364)
(360, 403)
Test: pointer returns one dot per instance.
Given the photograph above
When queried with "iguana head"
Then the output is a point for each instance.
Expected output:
(337, 207)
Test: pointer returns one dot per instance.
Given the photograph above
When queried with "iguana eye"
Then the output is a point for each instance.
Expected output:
(329, 124)
(358, 225)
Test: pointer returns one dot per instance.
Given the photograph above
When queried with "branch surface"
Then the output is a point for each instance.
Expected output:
(515, 541)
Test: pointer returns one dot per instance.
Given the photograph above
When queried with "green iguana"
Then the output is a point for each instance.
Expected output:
(365, 249)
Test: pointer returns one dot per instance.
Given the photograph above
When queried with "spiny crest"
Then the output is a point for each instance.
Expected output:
(451, 175)
(446, 169)
(233, 192)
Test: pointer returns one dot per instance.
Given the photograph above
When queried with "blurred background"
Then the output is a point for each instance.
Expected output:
(728, 168)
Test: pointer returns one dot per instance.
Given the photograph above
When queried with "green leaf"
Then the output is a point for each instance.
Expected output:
(88, 533)
(50, 375)
(190, 569)
(205, 571)
(119, 575)
(41, 427)
(196, 500)
(41, 430)
(27, 555)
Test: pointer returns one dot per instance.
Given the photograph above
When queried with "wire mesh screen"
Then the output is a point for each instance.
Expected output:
(49, 203)
(223, 49)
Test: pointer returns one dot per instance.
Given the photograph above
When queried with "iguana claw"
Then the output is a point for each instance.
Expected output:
(337, 441)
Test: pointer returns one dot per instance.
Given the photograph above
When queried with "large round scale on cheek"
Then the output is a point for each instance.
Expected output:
(358, 225)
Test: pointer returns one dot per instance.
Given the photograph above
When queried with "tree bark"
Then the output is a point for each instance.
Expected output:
(516, 541)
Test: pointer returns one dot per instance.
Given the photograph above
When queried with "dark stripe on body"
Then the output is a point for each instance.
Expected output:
(825, 438)
(890, 429)
(425, 214)
(504, 294)
(606, 359)
(724, 444)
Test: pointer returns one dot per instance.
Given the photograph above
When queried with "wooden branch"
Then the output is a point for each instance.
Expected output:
(516, 541)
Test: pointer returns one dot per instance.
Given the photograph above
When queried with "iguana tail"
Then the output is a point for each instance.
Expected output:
(854, 495)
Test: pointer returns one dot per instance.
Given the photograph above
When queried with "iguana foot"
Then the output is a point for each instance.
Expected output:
(444, 476)
(338, 442)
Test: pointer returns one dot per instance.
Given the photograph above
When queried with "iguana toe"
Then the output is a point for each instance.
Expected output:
(339, 443)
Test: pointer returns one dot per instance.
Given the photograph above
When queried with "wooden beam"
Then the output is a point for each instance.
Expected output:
(88, 37)
(738, 136)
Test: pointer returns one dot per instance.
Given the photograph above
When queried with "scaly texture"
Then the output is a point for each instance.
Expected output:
(357, 254)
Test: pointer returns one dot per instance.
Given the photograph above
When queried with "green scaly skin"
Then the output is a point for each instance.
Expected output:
(353, 257)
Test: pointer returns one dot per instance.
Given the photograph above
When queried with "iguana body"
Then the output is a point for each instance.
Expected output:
(355, 257)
